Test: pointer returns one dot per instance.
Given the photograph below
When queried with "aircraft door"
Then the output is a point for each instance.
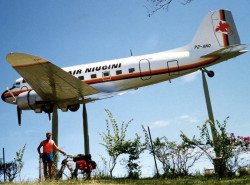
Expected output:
(145, 69)
(173, 68)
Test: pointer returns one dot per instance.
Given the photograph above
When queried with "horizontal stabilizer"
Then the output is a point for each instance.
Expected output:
(234, 49)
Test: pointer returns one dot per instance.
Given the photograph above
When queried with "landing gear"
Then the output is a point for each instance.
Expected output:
(74, 108)
(209, 73)
(47, 108)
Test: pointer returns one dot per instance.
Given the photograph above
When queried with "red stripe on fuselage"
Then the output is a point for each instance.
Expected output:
(154, 72)
(15, 93)
(138, 74)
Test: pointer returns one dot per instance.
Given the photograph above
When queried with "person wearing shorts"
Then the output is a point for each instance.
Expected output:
(47, 155)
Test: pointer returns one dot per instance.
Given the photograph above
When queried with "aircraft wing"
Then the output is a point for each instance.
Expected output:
(49, 81)
(228, 52)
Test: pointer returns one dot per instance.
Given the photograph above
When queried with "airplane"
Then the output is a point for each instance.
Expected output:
(44, 85)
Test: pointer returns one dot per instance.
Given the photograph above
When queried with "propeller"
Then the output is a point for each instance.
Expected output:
(19, 113)
(49, 114)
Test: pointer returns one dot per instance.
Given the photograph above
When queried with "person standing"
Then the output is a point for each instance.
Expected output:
(47, 155)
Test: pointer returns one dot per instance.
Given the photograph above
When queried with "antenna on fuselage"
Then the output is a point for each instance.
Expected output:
(131, 53)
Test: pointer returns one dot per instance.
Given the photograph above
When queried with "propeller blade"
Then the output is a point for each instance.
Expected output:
(19, 113)
(49, 117)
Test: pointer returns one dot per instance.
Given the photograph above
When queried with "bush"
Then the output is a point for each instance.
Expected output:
(243, 171)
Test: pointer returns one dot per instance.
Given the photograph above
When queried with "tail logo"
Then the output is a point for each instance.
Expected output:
(224, 28)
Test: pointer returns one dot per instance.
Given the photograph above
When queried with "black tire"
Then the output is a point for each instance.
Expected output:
(210, 74)
(48, 108)
(74, 107)
(74, 175)
(60, 175)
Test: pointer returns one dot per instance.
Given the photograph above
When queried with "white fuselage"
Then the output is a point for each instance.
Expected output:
(129, 73)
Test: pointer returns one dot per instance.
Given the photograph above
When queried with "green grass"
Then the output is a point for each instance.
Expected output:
(188, 180)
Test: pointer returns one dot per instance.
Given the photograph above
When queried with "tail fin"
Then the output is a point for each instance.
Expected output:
(216, 31)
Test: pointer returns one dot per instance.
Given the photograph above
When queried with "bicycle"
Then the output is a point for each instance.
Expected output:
(83, 163)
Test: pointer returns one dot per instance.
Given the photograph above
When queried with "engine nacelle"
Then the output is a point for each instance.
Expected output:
(27, 101)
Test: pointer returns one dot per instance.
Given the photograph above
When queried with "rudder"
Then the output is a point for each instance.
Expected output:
(216, 31)
(225, 29)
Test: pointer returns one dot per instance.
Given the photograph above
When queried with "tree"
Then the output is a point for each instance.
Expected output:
(14, 168)
(176, 159)
(1, 170)
(227, 146)
(241, 145)
(134, 149)
(115, 142)
(156, 5)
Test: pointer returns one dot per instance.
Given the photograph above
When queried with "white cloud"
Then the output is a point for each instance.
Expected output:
(191, 77)
(186, 119)
(189, 119)
(159, 123)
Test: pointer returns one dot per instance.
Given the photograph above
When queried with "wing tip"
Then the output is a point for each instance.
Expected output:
(23, 59)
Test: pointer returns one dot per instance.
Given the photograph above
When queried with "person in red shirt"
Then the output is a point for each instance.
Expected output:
(47, 154)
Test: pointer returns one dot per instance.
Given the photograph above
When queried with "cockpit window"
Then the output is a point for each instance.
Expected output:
(17, 85)
(24, 81)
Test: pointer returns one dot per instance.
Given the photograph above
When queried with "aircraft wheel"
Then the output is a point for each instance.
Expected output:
(210, 74)
(48, 108)
(74, 107)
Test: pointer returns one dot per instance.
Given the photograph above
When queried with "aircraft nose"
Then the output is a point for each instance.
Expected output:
(3, 98)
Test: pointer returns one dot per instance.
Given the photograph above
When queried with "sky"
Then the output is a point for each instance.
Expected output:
(78, 32)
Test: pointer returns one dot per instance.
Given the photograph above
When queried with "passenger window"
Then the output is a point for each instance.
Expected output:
(105, 74)
(81, 77)
(17, 84)
(131, 70)
(118, 72)
(93, 76)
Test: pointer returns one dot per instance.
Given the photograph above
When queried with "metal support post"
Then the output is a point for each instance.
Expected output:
(210, 112)
(55, 133)
(85, 130)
